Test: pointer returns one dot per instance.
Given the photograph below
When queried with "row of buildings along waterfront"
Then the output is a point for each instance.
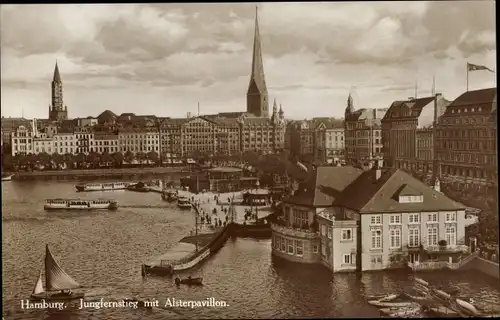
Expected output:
(427, 134)
(223, 133)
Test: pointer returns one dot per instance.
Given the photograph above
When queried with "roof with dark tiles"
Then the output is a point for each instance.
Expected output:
(323, 186)
(370, 195)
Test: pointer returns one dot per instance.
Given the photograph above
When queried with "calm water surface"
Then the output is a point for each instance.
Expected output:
(103, 251)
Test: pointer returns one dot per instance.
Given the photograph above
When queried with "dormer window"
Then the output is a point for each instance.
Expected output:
(407, 194)
(411, 199)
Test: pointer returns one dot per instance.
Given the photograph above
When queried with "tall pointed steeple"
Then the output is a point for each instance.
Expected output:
(58, 111)
(57, 76)
(275, 107)
(350, 105)
(257, 102)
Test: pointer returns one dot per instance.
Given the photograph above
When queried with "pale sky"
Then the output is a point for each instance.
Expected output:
(163, 58)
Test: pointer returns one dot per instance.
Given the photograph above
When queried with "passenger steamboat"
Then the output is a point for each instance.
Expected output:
(80, 204)
(109, 186)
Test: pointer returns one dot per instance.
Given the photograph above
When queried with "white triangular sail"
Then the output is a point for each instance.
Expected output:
(38, 285)
(55, 277)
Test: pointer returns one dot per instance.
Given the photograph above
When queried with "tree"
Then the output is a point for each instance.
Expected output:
(93, 158)
(152, 156)
(106, 158)
(129, 156)
(57, 160)
(251, 157)
(44, 159)
(81, 159)
(69, 160)
(118, 159)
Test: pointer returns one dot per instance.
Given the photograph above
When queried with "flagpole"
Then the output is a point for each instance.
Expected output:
(467, 90)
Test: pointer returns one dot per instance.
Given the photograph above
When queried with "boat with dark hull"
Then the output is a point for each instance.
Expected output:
(58, 284)
(189, 281)
(138, 187)
(183, 203)
(169, 195)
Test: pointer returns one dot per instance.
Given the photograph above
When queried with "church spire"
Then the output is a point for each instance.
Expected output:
(57, 76)
(275, 107)
(257, 91)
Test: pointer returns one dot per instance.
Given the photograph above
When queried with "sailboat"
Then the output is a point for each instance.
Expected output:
(58, 283)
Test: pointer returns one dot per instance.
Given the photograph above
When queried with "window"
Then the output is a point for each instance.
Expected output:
(315, 249)
(395, 258)
(450, 236)
(451, 217)
(323, 230)
(300, 217)
(376, 239)
(376, 259)
(432, 217)
(376, 219)
(432, 236)
(323, 251)
(413, 237)
(395, 219)
(283, 245)
(346, 258)
(414, 218)
(395, 238)
(346, 234)
(299, 249)
(290, 246)
(329, 232)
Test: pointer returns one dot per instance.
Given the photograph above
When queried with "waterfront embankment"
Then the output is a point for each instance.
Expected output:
(487, 267)
(99, 174)
(214, 223)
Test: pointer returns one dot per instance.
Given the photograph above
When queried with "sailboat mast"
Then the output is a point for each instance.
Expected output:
(196, 228)
(47, 253)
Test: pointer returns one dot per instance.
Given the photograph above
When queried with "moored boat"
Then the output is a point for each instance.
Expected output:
(183, 203)
(58, 284)
(382, 296)
(409, 311)
(189, 281)
(7, 178)
(169, 195)
(106, 186)
(399, 301)
(80, 204)
(441, 312)
(467, 307)
(138, 187)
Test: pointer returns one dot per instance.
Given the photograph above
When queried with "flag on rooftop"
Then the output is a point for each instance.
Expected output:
(477, 67)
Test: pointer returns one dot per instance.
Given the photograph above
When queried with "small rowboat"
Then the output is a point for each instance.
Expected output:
(383, 296)
(441, 312)
(189, 281)
(412, 310)
(396, 302)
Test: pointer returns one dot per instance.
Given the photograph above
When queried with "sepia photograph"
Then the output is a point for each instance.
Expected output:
(265, 160)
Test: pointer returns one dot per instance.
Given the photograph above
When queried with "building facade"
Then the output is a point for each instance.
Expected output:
(408, 131)
(57, 110)
(466, 142)
(65, 143)
(303, 234)
(105, 142)
(393, 221)
(137, 141)
(22, 140)
(363, 134)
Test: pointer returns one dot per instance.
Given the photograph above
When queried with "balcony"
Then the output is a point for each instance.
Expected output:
(447, 249)
(296, 233)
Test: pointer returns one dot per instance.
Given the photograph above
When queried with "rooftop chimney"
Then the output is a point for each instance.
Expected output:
(378, 169)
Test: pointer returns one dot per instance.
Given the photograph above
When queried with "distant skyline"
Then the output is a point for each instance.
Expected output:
(163, 58)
